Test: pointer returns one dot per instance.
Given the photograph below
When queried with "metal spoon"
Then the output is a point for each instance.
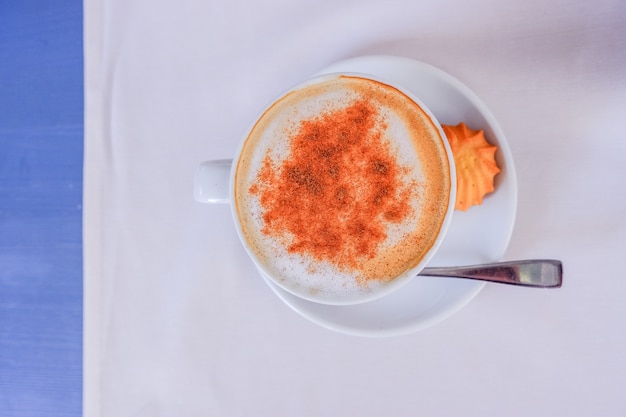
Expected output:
(540, 273)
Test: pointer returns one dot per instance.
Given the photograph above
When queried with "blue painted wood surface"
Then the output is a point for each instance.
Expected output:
(41, 156)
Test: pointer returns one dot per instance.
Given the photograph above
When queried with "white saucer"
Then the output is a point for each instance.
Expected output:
(479, 235)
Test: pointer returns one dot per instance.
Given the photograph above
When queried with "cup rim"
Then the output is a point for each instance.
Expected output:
(400, 280)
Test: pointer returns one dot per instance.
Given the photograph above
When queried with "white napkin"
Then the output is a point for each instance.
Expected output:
(179, 323)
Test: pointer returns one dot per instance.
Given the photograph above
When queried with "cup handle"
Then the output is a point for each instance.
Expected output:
(211, 184)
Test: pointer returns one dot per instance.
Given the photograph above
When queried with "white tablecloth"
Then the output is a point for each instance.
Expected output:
(179, 323)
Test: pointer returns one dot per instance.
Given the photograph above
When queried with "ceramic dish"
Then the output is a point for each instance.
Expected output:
(479, 235)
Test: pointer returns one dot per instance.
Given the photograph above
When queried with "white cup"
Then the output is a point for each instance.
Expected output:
(215, 183)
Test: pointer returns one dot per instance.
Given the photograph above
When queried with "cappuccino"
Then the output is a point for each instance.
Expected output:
(342, 187)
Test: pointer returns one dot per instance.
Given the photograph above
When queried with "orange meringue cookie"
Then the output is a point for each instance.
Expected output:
(475, 162)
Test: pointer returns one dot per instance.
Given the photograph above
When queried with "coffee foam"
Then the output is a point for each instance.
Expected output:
(419, 149)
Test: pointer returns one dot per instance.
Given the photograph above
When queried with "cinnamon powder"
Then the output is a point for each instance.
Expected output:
(339, 187)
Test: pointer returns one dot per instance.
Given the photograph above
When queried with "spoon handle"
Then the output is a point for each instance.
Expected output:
(541, 273)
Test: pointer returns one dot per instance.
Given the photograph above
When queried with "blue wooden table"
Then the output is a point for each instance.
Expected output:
(41, 157)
